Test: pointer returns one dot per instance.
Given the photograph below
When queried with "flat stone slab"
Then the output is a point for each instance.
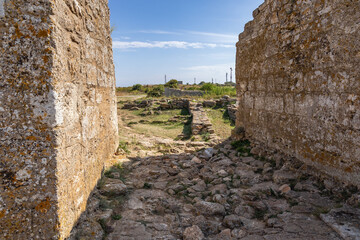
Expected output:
(345, 221)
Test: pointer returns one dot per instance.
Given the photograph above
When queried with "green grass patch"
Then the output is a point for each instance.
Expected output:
(221, 122)
(123, 145)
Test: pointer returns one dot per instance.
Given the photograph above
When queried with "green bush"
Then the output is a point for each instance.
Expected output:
(173, 83)
(136, 87)
(215, 90)
(156, 92)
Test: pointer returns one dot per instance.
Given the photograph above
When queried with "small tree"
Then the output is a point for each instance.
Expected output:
(173, 83)
(136, 87)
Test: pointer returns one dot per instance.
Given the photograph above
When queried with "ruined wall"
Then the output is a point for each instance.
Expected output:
(58, 121)
(172, 92)
(298, 82)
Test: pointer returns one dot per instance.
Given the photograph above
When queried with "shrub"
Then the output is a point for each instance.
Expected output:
(156, 92)
(136, 87)
(215, 90)
(172, 83)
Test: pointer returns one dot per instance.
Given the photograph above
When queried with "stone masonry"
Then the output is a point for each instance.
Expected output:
(58, 121)
(298, 82)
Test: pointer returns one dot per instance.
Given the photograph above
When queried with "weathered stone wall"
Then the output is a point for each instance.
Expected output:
(58, 121)
(171, 92)
(298, 82)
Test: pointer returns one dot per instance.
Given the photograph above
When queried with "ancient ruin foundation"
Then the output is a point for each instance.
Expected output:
(58, 122)
(298, 82)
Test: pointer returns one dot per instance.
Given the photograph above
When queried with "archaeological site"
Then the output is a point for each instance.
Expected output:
(82, 159)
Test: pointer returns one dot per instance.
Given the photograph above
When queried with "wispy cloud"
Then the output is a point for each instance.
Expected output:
(207, 68)
(210, 34)
(167, 44)
(159, 32)
(217, 37)
(121, 38)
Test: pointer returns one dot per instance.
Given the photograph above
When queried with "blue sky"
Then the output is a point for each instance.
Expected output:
(184, 39)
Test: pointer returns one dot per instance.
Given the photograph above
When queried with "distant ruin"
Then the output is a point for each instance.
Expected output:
(58, 121)
(298, 82)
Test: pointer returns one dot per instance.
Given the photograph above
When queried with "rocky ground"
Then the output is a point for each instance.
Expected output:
(224, 192)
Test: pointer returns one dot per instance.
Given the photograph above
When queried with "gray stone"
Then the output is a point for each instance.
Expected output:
(113, 186)
(283, 176)
(209, 208)
(126, 229)
(193, 233)
(345, 221)
(232, 221)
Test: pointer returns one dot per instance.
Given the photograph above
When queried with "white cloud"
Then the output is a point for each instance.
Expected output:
(167, 44)
(210, 34)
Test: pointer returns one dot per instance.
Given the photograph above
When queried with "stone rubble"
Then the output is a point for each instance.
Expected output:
(200, 122)
(218, 193)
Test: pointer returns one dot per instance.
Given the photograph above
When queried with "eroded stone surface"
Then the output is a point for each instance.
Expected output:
(218, 198)
(298, 82)
(58, 121)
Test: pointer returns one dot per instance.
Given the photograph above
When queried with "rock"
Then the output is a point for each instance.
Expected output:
(105, 215)
(252, 225)
(222, 173)
(283, 176)
(89, 230)
(113, 186)
(126, 229)
(134, 203)
(209, 103)
(219, 189)
(285, 189)
(306, 186)
(160, 185)
(208, 153)
(200, 186)
(354, 200)
(193, 233)
(238, 233)
(224, 235)
(345, 221)
(195, 160)
(232, 221)
(209, 208)
(245, 211)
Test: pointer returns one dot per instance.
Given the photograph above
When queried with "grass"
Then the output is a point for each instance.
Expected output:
(320, 210)
(117, 168)
(123, 145)
(116, 217)
(157, 125)
(221, 122)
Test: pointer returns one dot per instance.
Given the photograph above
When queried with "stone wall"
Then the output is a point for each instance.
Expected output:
(171, 92)
(298, 82)
(58, 122)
